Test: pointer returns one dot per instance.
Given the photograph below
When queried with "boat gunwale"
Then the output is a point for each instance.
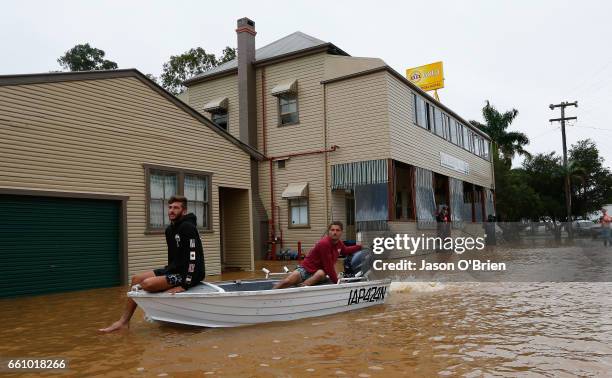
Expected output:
(269, 292)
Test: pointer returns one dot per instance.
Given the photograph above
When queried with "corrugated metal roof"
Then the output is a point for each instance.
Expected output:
(292, 43)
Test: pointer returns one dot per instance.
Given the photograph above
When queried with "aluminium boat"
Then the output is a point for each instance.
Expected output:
(245, 302)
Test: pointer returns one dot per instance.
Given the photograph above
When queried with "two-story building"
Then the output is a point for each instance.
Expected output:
(344, 138)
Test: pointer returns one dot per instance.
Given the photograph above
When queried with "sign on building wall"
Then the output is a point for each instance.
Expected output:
(428, 77)
(451, 162)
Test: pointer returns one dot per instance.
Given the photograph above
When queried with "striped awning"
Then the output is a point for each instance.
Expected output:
(216, 104)
(288, 86)
(347, 175)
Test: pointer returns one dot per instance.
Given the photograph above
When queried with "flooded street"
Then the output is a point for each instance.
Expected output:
(425, 329)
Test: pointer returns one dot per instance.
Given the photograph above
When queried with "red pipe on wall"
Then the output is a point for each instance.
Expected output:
(271, 159)
(281, 157)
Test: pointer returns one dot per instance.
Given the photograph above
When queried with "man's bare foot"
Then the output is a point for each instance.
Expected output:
(119, 324)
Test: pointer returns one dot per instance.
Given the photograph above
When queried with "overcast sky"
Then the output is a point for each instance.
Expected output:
(520, 54)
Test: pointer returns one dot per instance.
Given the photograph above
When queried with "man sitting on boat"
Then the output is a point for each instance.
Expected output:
(185, 260)
(321, 260)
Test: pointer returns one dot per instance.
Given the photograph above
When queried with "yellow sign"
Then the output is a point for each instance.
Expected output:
(428, 77)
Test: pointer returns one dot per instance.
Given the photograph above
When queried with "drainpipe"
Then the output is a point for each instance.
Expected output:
(263, 110)
(272, 255)
(314, 152)
(326, 183)
(271, 159)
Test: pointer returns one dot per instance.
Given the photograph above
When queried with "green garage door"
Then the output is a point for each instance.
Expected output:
(50, 244)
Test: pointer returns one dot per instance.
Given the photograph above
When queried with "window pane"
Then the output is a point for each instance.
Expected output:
(220, 119)
(447, 127)
(289, 118)
(199, 213)
(194, 187)
(298, 211)
(170, 184)
(156, 213)
(287, 99)
(289, 108)
(157, 185)
(303, 215)
(416, 108)
(421, 112)
(438, 128)
(196, 191)
(162, 186)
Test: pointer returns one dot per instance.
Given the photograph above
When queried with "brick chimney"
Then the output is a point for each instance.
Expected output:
(247, 132)
(247, 103)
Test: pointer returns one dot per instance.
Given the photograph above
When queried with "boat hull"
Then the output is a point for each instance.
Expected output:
(208, 308)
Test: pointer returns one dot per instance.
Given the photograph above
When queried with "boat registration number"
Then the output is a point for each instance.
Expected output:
(372, 294)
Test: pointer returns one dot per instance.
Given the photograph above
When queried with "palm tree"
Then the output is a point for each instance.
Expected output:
(505, 144)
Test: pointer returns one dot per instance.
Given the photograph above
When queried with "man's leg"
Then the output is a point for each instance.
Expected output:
(156, 284)
(317, 277)
(293, 279)
(130, 306)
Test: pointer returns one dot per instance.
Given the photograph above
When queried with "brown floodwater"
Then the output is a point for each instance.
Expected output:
(425, 329)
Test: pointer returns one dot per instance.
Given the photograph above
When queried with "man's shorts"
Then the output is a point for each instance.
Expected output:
(304, 274)
(173, 279)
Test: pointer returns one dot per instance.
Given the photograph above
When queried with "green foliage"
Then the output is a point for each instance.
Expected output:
(195, 61)
(544, 174)
(85, 58)
(228, 53)
(505, 144)
(537, 189)
(591, 181)
(515, 199)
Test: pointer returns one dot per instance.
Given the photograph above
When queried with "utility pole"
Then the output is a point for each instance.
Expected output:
(568, 194)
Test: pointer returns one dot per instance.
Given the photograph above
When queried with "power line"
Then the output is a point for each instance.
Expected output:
(545, 132)
(594, 128)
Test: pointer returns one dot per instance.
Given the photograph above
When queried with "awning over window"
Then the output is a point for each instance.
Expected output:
(347, 175)
(296, 190)
(288, 86)
(216, 104)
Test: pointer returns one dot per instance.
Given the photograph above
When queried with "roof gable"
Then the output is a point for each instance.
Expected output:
(291, 44)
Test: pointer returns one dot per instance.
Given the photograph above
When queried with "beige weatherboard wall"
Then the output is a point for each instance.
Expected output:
(356, 103)
(96, 132)
(304, 74)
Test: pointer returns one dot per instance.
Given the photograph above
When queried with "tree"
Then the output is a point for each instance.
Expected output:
(591, 181)
(515, 199)
(544, 174)
(85, 58)
(195, 61)
(228, 53)
(505, 144)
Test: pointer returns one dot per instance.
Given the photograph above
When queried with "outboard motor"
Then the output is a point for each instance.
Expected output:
(358, 262)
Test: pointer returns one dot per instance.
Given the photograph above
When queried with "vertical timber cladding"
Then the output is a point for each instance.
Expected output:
(52, 244)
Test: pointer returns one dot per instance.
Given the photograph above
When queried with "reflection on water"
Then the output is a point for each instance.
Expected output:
(425, 329)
